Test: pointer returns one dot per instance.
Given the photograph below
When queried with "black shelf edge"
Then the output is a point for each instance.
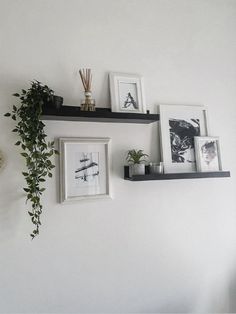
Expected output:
(173, 176)
(71, 113)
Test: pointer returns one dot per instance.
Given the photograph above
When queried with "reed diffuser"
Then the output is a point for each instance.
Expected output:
(88, 104)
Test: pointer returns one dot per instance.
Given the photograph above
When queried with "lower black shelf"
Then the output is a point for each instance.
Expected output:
(173, 176)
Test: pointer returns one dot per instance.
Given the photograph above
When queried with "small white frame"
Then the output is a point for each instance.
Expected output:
(127, 93)
(208, 154)
(71, 185)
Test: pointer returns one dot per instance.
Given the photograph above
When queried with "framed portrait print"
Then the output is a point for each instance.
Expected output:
(84, 168)
(207, 151)
(179, 124)
(127, 93)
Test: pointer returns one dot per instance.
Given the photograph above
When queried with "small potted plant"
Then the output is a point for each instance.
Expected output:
(137, 160)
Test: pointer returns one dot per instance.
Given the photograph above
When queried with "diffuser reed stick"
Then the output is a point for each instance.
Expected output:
(86, 78)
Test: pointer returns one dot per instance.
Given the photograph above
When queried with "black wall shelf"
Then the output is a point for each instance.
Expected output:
(172, 176)
(71, 113)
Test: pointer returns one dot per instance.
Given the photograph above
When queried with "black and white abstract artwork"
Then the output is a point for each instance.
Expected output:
(182, 132)
(86, 172)
(128, 96)
(179, 126)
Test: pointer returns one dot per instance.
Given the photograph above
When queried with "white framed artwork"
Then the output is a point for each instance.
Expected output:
(208, 155)
(127, 93)
(179, 124)
(84, 168)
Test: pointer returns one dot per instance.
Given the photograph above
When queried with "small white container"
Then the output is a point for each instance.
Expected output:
(136, 170)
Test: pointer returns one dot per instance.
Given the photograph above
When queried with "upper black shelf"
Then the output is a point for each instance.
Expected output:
(71, 113)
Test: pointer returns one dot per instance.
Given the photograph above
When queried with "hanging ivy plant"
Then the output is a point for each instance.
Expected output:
(32, 139)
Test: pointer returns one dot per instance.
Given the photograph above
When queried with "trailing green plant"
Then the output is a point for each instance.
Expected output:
(136, 156)
(32, 139)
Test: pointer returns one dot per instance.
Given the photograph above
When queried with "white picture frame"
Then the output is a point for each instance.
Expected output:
(178, 126)
(127, 93)
(84, 168)
(208, 155)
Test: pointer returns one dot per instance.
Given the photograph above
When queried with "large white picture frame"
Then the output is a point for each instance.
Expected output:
(178, 126)
(127, 93)
(84, 168)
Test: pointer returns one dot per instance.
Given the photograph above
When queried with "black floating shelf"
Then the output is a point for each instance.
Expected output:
(172, 176)
(71, 113)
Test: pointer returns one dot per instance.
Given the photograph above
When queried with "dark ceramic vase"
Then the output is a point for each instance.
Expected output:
(57, 101)
(54, 102)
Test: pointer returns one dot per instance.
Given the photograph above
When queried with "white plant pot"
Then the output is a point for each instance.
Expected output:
(136, 169)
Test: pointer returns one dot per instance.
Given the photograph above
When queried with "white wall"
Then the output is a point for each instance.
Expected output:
(165, 246)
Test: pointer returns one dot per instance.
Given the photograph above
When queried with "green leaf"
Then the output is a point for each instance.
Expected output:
(25, 174)
(29, 196)
(50, 175)
(14, 108)
(18, 143)
(16, 95)
(7, 114)
(26, 190)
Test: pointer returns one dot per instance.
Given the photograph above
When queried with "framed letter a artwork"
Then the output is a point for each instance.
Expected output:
(127, 93)
(179, 124)
(84, 168)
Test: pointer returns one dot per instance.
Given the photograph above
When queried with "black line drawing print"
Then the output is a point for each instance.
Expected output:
(182, 139)
(88, 169)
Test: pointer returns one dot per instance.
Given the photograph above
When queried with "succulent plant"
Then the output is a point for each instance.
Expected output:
(136, 156)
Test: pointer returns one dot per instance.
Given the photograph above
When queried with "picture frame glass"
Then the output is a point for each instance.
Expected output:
(179, 125)
(208, 154)
(85, 169)
(128, 99)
